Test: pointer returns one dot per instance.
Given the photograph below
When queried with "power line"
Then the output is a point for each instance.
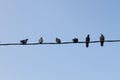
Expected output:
(54, 43)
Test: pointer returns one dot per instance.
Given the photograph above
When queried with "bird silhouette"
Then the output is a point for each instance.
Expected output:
(87, 40)
(75, 40)
(58, 40)
(102, 39)
(24, 42)
(41, 40)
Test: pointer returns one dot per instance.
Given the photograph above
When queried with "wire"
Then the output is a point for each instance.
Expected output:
(52, 43)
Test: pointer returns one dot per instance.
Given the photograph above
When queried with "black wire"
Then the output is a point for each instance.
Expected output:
(52, 43)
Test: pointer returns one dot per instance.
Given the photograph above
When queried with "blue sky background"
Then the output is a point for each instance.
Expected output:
(66, 19)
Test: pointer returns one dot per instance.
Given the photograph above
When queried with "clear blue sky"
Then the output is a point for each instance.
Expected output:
(66, 19)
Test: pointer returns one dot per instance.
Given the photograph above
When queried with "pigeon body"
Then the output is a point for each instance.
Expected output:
(75, 40)
(24, 42)
(102, 39)
(41, 40)
(87, 40)
(58, 40)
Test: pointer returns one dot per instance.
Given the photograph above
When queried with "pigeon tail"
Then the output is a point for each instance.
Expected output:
(87, 44)
(102, 44)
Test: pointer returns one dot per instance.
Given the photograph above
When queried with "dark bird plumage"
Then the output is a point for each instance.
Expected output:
(41, 40)
(58, 40)
(24, 42)
(75, 40)
(87, 40)
(102, 39)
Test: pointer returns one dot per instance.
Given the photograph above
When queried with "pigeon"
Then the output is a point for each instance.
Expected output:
(87, 40)
(58, 40)
(41, 40)
(24, 42)
(75, 40)
(102, 39)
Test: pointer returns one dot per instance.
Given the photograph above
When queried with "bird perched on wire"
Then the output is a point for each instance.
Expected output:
(75, 40)
(24, 42)
(87, 40)
(41, 40)
(58, 40)
(102, 39)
